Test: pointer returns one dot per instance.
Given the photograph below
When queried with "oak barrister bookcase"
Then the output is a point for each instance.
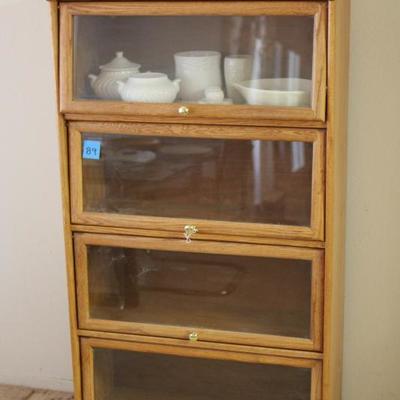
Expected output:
(203, 167)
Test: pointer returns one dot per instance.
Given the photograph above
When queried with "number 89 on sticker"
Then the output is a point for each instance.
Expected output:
(91, 150)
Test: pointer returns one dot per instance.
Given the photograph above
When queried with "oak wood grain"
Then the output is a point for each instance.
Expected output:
(64, 173)
(338, 44)
(200, 344)
(193, 120)
(91, 343)
(199, 236)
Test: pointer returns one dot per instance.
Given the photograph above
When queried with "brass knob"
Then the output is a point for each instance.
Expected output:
(193, 336)
(189, 231)
(183, 110)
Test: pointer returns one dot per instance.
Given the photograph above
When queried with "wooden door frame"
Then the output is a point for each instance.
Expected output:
(314, 343)
(89, 344)
(205, 113)
(206, 227)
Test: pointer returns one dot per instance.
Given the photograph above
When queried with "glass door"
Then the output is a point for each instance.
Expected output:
(216, 60)
(226, 181)
(229, 293)
(123, 371)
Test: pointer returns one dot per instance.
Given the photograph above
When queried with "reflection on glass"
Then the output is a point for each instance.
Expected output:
(234, 293)
(213, 179)
(258, 60)
(126, 375)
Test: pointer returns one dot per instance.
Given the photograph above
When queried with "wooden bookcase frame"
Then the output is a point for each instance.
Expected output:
(338, 12)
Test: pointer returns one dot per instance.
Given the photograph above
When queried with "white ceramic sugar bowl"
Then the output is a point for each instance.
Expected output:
(149, 87)
(119, 69)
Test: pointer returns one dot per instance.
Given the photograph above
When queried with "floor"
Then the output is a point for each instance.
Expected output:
(22, 393)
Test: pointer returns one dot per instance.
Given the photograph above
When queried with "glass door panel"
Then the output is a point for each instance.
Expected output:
(259, 180)
(267, 51)
(214, 179)
(146, 286)
(258, 56)
(134, 371)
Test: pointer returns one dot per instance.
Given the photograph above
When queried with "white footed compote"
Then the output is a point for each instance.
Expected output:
(237, 68)
(149, 87)
(119, 69)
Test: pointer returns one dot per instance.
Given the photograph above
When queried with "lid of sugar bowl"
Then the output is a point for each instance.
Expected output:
(120, 63)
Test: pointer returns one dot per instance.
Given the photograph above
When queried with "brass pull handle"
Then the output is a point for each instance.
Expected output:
(184, 111)
(193, 336)
(189, 231)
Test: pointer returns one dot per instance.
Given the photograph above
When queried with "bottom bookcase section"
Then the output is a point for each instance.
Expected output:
(115, 370)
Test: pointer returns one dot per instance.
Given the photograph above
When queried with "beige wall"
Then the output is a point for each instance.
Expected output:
(34, 341)
(34, 344)
(372, 304)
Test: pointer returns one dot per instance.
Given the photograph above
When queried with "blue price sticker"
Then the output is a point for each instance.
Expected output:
(91, 150)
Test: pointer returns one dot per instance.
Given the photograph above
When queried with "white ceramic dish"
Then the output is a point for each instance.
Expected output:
(282, 92)
(149, 87)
